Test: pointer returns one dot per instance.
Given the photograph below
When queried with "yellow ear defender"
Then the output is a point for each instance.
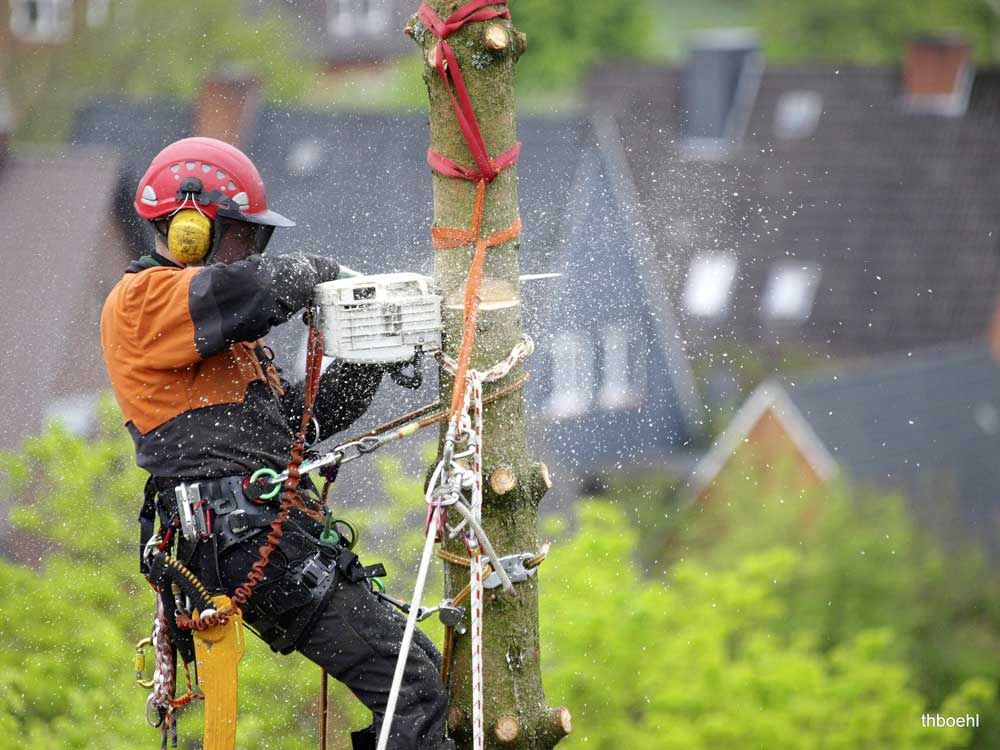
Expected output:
(190, 236)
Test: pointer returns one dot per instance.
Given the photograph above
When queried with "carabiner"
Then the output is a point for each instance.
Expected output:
(140, 664)
(270, 474)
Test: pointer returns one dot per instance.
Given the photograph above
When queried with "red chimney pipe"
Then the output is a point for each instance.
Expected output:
(226, 108)
(937, 75)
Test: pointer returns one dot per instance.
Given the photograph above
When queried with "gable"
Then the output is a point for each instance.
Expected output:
(602, 378)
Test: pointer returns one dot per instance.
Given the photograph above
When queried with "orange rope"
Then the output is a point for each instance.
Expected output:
(447, 238)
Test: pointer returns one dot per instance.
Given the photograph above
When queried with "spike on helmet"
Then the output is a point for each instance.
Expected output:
(207, 174)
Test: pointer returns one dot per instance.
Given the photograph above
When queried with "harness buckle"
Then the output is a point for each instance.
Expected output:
(513, 565)
(191, 509)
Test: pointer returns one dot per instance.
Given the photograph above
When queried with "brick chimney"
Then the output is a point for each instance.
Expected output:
(226, 108)
(994, 333)
(937, 75)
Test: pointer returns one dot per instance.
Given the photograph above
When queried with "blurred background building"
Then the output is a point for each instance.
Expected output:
(726, 207)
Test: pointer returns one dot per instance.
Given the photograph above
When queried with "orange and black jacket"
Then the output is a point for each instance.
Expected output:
(197, 392)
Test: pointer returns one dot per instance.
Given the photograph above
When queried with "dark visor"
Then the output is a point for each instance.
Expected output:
(235, 239)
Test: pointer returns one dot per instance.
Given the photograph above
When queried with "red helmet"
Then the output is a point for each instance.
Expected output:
(209, 175)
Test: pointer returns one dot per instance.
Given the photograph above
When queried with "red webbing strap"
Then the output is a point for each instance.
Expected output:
(448, 168)
(486, 170)
(446, 65)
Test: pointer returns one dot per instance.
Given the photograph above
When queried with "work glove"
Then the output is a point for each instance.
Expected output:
(292, 277)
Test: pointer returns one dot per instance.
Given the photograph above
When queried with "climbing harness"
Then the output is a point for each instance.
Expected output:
(217, 622)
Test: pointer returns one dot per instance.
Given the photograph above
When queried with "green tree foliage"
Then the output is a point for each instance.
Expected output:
(152, 49)
(868, 565)
(69, 624)
(862, 564)
(705, 662)
(871, 32)
(729, 650)
(564, 39)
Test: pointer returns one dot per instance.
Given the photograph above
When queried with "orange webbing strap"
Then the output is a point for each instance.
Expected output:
(447, 238)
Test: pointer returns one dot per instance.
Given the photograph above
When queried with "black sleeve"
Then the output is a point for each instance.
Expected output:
(345, 391)
(242, 301)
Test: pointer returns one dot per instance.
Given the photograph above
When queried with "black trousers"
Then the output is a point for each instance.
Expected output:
(356, 638)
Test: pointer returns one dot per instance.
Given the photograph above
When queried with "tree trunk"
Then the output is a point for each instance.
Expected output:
(516, 716)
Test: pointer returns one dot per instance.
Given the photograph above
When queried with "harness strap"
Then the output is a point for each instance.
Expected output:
(147, 522)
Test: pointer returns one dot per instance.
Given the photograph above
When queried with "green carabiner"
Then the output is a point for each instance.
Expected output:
(329, 536)
(265, 472)
(349, 542)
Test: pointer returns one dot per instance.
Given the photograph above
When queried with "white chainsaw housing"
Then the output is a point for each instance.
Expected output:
(379, 319)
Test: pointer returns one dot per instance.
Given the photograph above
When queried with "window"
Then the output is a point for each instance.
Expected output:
(41, 20)
(797, 114)
(97, 12)
(77, 414)
(790, 292)
(351, 17)
(375, 15)
(619, 384)
(305, 157)
(572, 375)
(709, 285)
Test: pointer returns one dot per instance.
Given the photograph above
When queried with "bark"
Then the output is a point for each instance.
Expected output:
(516, 715)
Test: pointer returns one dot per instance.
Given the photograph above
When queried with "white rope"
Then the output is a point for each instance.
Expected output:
(411, 624)
(475, 389)
(472, 422)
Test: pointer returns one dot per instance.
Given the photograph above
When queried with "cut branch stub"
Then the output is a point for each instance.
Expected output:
(432, 52)
(495, 37)
(506, 730)
(560, 723)
(503, 480)
(521, 44)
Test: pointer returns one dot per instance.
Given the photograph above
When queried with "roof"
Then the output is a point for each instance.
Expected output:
(358, 186)
(897, 211)
(926, 424)
(59, 249)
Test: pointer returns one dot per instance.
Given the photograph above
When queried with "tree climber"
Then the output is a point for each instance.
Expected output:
(205, 405)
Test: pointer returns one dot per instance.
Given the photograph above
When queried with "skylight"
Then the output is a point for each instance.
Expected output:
(572, 375)
(790, 292)
(797, 114)
(305, 157)
(709, 285)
